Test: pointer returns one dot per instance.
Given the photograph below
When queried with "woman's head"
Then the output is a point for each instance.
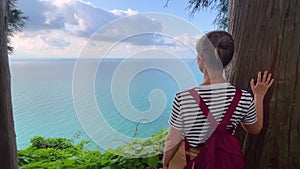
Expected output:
(215, 49)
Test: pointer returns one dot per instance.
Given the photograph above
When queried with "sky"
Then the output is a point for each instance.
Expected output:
(107, 28)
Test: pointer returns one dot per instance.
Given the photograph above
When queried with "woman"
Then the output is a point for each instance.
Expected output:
(215, 51)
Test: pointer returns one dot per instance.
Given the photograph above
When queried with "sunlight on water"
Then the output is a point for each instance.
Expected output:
(43, 103)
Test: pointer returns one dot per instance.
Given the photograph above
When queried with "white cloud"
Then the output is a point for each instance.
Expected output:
(124, 13)
(187, 39)
(58, 28)
(47, 44)
(140, 30)
(61, 28)
(77, 17)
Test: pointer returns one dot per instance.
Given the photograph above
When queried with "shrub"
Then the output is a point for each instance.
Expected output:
(61, 153)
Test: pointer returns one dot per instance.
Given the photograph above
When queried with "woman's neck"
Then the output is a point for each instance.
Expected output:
(213, 78)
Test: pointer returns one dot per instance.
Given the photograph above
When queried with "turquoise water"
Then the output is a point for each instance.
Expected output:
(43, 103)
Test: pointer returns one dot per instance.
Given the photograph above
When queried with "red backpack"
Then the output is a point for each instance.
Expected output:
(221, 150)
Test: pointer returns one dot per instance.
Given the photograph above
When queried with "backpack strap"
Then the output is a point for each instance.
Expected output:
(204, 108)
(226, 119)
(208, 114)
(187, 151)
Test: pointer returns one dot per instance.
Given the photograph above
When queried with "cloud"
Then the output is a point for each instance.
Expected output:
(135, 29)
(80, 18)
(123, 13)
(47, 44)
(74, 16)
(60, 28)
(56, 42)
(34, 9)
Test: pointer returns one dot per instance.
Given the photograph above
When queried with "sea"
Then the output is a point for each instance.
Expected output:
(132, 96)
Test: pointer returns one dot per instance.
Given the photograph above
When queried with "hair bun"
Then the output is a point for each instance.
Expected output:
(225, 43)
(223, 47)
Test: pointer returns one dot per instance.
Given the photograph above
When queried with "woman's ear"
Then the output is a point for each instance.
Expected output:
(200, 63)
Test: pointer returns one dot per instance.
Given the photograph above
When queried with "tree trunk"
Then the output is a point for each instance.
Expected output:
(8, 152)
(267, 37)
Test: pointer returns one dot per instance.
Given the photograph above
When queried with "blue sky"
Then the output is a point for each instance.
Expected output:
(67, 28)
(203, 19)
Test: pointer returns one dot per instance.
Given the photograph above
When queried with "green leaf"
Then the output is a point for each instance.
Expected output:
(152, 161)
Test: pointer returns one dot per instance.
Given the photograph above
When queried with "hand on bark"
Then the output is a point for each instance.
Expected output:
(264, 82)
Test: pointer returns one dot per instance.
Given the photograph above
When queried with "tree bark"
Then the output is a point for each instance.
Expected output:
(8, 150)
(267, 37)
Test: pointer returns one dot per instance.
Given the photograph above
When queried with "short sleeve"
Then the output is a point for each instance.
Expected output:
(176, 120)
(250, 117)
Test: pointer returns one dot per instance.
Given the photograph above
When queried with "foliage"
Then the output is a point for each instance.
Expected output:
(143, 148)
(16, 22)
(221, 6)
(62, 153)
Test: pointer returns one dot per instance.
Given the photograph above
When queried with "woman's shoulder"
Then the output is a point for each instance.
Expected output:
(245, 93)
(214, 88)
(183, 93)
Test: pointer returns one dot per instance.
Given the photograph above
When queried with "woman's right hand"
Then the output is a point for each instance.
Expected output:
(264, 82)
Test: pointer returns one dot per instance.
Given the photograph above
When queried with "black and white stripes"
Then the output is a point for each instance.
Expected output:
(187, 116)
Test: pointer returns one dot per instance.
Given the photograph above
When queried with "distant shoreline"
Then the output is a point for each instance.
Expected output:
(87, 59)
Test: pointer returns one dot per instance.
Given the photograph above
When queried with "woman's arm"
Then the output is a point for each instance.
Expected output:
(259, 90)
(257, 126)
(171, 144)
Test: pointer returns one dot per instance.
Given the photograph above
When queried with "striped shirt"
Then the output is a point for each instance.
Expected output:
(187, 116)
